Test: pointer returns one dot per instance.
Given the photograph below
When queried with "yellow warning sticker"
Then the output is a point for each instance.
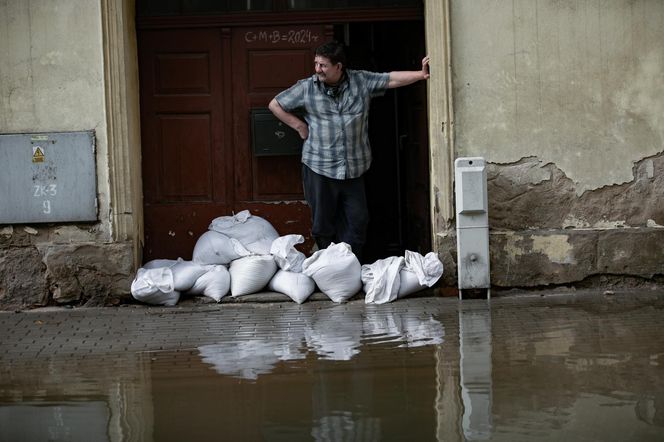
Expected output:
(37, 154)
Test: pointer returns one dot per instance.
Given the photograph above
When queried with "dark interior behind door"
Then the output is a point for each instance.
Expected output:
(398, 181)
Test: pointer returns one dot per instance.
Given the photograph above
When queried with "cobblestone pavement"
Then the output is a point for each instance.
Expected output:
(54, 331)
(51, 332)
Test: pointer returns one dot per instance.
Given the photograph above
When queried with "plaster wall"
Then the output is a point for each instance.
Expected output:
(576, 83)
(52, 79)
(565, 100)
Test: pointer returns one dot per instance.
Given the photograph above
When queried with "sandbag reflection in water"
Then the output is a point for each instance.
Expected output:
(332, 334)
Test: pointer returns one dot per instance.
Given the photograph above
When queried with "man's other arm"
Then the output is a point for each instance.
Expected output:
(289, 119)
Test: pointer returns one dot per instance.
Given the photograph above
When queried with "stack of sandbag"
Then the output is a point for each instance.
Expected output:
(240, 241)
(289, 279)
(243, 254)
(335, 270)
(244, 241)
(395, 277)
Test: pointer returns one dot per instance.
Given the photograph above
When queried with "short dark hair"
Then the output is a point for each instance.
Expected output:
(334, 51)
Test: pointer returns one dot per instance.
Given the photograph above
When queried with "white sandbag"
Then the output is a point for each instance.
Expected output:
(215, 283)
(216, 248)
(296, 286)
(335, 270)
(155, 286)
(157, 263)
(381, 280)
(251, 274)
(286, 255)
(255, 233)
(419, 272)
(185, 274)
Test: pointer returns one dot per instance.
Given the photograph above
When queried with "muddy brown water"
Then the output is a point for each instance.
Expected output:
(518, 369)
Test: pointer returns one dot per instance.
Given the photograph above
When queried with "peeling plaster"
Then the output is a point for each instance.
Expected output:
(527, 170)
(520, 202)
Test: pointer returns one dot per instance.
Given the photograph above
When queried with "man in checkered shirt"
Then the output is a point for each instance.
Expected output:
(336, 153)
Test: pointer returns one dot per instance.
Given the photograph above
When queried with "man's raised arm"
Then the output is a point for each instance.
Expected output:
(404, 78)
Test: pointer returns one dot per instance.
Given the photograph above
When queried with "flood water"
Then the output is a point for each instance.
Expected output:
(562, 367)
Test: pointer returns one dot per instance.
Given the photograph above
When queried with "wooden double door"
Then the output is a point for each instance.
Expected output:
(199, 88)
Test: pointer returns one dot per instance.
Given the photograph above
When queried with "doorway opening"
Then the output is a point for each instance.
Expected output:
(398, 181)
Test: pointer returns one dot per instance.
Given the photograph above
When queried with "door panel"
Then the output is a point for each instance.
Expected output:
(185, 147)
(184, 136)
(187, 73)
(275, 70)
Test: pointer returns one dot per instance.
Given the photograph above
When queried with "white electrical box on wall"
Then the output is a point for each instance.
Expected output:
(472, 221)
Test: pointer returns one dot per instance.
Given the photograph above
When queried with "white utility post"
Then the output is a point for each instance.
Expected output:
(472, 221)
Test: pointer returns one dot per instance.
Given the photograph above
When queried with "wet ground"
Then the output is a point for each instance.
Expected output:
(556, 367)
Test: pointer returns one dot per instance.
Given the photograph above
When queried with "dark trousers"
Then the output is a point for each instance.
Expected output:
(338, 210)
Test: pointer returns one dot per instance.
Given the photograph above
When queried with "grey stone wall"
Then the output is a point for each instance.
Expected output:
(35, 273)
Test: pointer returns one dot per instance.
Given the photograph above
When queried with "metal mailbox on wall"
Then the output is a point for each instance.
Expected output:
(272, 137)
(48, 177)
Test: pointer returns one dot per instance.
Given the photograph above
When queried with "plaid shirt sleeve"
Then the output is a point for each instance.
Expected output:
(293, 97)
(375, 82)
